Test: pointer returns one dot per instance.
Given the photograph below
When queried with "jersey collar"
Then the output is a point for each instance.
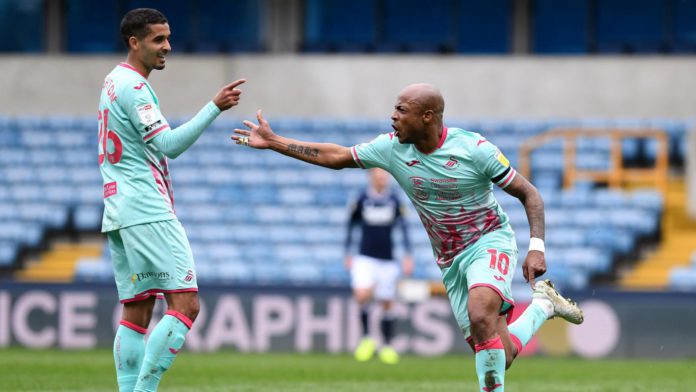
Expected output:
(132, 68)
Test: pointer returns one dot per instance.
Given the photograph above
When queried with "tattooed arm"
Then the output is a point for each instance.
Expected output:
(328, 155)
(535, 263)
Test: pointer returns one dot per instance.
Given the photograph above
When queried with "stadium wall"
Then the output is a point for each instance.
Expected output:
(366, 86)
(302, 319)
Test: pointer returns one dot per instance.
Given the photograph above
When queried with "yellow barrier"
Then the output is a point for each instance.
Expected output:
(616, 176)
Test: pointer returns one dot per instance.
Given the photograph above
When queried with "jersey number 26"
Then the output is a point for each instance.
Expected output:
(104, 135)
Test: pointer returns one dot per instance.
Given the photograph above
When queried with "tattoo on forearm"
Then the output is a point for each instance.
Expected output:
(536, 222)
(303, 150)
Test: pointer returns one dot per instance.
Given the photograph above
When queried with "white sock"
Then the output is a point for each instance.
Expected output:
(545, 305)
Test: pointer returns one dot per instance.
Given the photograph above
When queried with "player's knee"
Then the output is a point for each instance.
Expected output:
(193, 308)
(481, 320)
(186, 304)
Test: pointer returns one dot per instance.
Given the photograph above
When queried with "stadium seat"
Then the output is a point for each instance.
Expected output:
(8, 253)
(559, 26)
(484, 27)
(88, 217)
(683, 279)
(340, 26)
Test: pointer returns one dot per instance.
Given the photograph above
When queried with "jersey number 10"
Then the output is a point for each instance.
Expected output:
(501, 260)
(104, 135)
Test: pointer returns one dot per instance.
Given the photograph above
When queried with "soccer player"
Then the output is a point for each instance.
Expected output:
(149, 249)
(448, 175)
(374, 272)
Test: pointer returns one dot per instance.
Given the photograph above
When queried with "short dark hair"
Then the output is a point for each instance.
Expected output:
(137, 23)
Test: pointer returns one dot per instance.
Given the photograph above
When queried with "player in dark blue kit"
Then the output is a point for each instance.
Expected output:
(374, 272)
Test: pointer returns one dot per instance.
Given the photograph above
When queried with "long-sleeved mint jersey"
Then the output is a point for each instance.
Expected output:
(451, 187)
(134, 143)
(137, 186)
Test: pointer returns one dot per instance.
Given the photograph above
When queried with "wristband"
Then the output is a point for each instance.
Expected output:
(536, 244)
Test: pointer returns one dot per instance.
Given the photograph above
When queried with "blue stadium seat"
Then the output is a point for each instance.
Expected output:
(484, 26)
(433, 34)
(565, 237)
(94, 270)
(11, 156)
(684, 15)
(609, 198)
(559, 27)
(8, 253)
(648, 199)
(340, 26)
(589, 259)
(621, 26)
(22, 26)
(683, 279)
(634, 219)
(49, 215)
(215, 33)
(21, 233)
(232, 272)
(88, 217)
(614, 239)
(304, 273)
(574, 198)
(335, 274)
(587, 217)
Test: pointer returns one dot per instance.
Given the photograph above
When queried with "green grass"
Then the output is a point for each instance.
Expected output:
(25, 370)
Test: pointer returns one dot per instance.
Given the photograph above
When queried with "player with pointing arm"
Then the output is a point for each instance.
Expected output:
(149, 249)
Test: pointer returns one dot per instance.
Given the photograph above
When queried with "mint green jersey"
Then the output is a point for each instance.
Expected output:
(451, 187)
(137, 186)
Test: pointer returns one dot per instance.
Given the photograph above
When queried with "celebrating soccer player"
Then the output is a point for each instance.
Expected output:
(149, 249)
(448, 175)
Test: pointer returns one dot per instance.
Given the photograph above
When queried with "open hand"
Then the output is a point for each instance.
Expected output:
(258, 136)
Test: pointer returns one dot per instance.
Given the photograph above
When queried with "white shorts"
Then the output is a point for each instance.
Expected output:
(379, 275)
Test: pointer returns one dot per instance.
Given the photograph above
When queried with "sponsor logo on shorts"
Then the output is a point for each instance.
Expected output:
(189, 276)
(150, 275)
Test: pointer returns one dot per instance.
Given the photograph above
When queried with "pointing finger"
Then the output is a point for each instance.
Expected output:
(235, 83)
(530, 276)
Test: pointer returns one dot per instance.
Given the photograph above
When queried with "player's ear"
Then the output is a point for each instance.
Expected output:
(133, 42)
(428, 116)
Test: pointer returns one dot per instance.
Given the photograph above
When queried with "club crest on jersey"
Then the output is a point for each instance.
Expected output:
(452, 164)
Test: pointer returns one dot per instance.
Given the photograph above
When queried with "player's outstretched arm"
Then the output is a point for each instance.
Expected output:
(261, 136)
(228, 96)
(535, 263)
(176, 141)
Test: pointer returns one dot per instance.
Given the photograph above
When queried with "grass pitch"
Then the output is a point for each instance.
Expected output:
(52, 370)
